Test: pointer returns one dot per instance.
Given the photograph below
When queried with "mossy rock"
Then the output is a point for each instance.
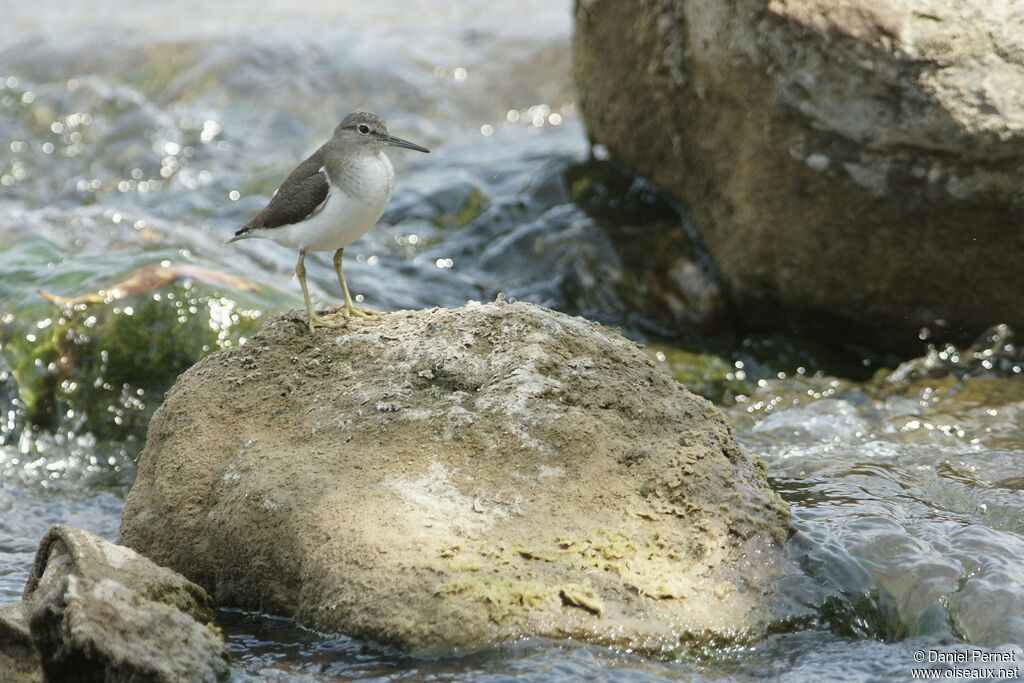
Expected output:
(104, 367)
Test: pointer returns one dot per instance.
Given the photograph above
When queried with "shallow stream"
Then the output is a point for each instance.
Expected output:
(134, 139)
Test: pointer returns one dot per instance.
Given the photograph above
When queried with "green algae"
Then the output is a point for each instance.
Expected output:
(472, 205)
(103, 367)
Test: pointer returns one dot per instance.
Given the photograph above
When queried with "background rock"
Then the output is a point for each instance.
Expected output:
(853, 168)
(98, 611)
(454, 478)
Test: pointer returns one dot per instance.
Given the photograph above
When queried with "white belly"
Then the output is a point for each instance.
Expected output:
(346, 215)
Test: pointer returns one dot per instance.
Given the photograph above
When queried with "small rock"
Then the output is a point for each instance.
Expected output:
(19, 661)
(99, 611)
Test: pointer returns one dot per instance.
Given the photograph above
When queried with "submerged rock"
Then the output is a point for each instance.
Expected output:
(98, 611)
(448, 479)
(853, 168)
(79, 367)
(994, 353)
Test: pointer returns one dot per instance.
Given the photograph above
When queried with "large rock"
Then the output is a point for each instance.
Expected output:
(455, 478)
(853, 167)
(98, 611)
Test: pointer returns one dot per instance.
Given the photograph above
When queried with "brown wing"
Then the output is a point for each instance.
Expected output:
(300, 196)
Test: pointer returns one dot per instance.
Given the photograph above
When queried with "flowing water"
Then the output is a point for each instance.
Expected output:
(135, 138)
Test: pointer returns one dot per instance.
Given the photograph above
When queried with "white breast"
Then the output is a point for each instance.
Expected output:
(348, 213)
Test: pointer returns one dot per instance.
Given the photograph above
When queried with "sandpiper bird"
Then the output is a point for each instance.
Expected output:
(332, 199)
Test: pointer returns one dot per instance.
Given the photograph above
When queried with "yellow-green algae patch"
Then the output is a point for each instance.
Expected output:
(502, 595)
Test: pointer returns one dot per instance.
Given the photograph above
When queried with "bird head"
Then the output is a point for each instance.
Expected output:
(365, 128)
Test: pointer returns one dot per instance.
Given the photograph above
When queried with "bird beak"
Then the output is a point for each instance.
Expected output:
(399, 142)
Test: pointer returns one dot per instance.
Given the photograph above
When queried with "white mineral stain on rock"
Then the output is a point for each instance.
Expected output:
(545, 472)
(435, 501)
(116, 555)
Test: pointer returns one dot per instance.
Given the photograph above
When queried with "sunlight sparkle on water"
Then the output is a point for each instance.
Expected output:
(211, 129)
(538, 115)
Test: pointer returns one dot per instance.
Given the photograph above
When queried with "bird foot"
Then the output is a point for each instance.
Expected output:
(356, 312)
(328, 321)
(340, 316)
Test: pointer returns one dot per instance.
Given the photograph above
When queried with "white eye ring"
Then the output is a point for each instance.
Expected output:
(363, 128)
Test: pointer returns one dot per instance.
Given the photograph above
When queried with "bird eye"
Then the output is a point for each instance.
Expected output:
(363, 128)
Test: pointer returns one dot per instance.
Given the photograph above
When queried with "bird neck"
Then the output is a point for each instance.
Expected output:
(345, 161)
(364, 171)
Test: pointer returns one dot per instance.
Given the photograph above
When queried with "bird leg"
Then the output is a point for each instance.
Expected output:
(350, 309)
(314, 319)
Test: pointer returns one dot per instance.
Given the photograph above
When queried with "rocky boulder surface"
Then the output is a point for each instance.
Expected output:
(853, 167)
(448, 479)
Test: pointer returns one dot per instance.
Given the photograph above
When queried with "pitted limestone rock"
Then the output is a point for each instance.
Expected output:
(454, 478)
